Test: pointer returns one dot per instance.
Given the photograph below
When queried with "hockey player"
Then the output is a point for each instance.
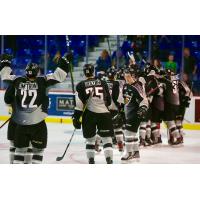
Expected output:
(115, 107)
(185, 95)
(92, 101)
(136, 106)
(171, 105)
(154, 90)
(30, 102)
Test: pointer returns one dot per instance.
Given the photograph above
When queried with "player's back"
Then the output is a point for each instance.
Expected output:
(30, 100)
(95, 92)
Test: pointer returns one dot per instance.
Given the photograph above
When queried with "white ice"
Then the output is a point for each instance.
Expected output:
(59, 135)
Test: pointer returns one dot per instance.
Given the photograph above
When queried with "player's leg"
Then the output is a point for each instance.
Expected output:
(179, 122)
(105, 130)
(29, 155)
(38, 141)
(155, 130)
(10, 136)
(131, 138)
(148, 133)
(21, 142)
(117, 125)
(170, 116)
(89, 133)
(142, 133)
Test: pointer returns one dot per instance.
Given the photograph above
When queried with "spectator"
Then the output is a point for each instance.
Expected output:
(156, 63)
(190, 66)
(56, 57)
(121, 57)
(103, 62)
(171, 64)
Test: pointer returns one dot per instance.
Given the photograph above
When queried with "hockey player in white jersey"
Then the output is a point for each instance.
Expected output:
(92, 102)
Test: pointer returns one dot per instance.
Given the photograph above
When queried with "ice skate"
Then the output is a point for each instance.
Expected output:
(109, 160)
(91, 161)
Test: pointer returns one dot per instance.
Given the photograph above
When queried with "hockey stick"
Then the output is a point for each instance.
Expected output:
(5, 123)
(60, 158)
(70, 64)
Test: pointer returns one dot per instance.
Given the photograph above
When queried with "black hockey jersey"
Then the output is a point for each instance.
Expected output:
(29, 99)
(171, 90)
(93, 93)
(134, 97)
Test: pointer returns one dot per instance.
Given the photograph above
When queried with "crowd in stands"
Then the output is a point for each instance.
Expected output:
(164, 55)
(166, 52)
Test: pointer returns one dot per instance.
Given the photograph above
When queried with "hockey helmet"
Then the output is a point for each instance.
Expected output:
(111, 72)
(88, 70)
(32, 70)
(133, 70)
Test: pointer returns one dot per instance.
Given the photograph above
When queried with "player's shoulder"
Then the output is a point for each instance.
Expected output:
(80, 85)
(41, 79)
(19, 79)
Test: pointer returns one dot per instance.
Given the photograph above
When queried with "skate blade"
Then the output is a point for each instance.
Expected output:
(177, 145)
(131, 161)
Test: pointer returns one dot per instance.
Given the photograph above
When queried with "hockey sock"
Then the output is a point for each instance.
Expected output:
(107, 147)
(90, 147)
(19, 155)
(155, 130)
(98, 140)
(172, 129)
(148, 129)
(142, 130)
(11, 152)
(28, 156)
(119, 134)
(179, 127)
(129, 140)
(37, 155)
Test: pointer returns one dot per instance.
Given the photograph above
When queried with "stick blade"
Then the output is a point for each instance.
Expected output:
(59, 158)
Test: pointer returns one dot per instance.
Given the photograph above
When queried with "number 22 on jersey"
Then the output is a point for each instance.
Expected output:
(29, 93)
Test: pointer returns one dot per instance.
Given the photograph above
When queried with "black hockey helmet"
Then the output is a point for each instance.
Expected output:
(150, 68)
(88, 70)
(120, 73)
(32, 70)
(133, 70)
(169, 72)
(111, 72)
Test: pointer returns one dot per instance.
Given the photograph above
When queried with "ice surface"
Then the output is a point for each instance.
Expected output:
(59, 135)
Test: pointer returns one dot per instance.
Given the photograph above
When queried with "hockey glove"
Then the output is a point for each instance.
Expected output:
(142, 111)
(76, 119)
(5, 61)
(117, 119)
(63, 63)
(187, 101)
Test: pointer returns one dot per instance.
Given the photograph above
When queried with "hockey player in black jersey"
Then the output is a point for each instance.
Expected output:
(185, 95)
(30, 102)
(115, 107)
(136, 106)
(154, 90)
(92, 102)
(171, 105)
